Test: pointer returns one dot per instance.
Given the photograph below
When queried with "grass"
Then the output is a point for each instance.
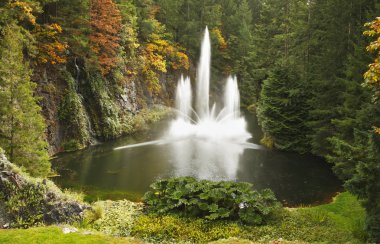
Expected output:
(54, 235)
(345, 213)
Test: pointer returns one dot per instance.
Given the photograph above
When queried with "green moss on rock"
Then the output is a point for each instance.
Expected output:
(32, 201)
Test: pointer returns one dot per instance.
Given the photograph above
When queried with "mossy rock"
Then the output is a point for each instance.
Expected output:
(32, 201)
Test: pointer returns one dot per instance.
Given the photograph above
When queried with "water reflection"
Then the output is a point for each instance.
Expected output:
(206, 159)
(295, 179)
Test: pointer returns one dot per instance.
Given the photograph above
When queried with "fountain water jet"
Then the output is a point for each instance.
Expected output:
(203, 77)
(205, 144)
(227, 125)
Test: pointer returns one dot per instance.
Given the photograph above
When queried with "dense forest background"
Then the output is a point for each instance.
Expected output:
(72, 72)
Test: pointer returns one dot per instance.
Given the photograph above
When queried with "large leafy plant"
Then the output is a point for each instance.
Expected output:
(210, 200)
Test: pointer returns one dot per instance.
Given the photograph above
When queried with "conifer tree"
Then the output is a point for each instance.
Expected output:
(337, 59)
(21, 124)
(282, 110)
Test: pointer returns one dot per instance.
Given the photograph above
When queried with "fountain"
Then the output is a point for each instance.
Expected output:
(203, 123)
(204, 143)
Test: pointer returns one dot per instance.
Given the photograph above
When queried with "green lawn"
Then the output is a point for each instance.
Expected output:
(54, 234)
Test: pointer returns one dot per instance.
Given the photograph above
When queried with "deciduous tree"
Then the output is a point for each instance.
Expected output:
(105, 34)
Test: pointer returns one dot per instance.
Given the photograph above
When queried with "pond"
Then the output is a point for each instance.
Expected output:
(104, 173)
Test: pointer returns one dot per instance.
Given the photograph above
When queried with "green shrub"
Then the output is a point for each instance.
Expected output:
(33, 201)
(114, 217)
(72, 145)
(210, 200)
(92, 215)
(252, 108)
(26, 204)
(267, 142)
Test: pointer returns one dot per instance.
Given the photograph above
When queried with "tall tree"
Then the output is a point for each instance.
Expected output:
(353, 147)
(75, 22)
(243, 53)
(21, 124)
(282, 110)
(106, 26)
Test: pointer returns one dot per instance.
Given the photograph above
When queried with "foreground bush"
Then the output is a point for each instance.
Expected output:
(113, 217)
(210, 200)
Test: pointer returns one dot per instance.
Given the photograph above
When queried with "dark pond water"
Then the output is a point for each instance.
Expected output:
(102, 172)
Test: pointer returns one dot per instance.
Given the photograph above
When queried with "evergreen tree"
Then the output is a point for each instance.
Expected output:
(21, 124)
(282, 110)
(357, 164)
(75, 23)
(354, 147)
(336, 61)
(242, 52)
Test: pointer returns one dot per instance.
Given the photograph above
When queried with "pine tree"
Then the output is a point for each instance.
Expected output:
(243, 54)
(353, 146)
(282, 110)
(357, 164)
(335, 62)
(21, 124)
(75, 22)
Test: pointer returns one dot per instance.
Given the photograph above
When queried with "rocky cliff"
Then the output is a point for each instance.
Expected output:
(82, 107)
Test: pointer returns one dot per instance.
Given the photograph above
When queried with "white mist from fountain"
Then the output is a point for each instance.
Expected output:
(202, 143)
(205, 124)
(212, 143)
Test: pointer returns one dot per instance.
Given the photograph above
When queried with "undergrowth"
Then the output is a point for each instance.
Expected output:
(338, 222)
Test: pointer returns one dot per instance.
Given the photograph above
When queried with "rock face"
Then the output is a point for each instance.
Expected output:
(81, 107)
(28, 201)
(4, 217)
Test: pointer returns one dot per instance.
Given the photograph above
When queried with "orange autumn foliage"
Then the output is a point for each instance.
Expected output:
(159, 55)
(106, 24)
(51, 49)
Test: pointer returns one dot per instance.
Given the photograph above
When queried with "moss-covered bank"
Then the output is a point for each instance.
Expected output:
(29, 201)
